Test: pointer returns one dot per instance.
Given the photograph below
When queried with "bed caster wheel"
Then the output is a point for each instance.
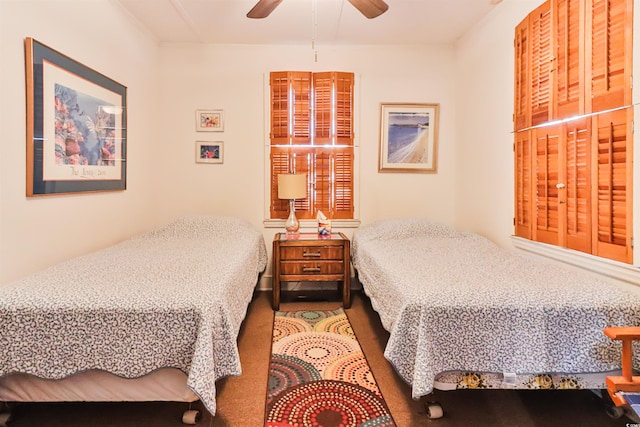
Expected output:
(192, 416)
(614, 411)
(434, 410)
(4, 419)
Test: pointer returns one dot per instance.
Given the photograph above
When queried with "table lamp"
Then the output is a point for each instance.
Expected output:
(292, 186)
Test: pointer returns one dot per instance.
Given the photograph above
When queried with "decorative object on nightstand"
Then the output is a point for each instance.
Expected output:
(324, 224)
(312, 257)
(292, 186)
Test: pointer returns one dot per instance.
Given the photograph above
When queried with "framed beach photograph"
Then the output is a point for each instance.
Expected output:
(209, 152)
(408, 137)
(76, 125)
(209, 120)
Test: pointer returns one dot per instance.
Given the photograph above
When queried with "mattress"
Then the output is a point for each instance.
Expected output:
(456, 302)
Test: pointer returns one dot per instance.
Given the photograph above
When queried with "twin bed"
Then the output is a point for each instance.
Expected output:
(464, 313)
(154, 318)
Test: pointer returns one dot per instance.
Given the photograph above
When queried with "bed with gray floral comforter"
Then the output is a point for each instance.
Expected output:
(455, 301)
(172, 297)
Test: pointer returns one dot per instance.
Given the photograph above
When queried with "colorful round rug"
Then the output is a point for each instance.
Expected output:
(319, 376)
(328, 403)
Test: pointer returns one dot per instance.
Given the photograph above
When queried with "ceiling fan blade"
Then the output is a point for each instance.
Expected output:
(263, 8)
(370, 8)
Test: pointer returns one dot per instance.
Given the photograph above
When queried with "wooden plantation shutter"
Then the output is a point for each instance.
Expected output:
(573, 158)
(521, 115)
(546, 158)
(562, 184)
(575, 191)
(541, 63)
(610, 53)
(612, 194)
(342, 206)
(523, 167)
(318, 110)
(279, 165)
(569, 69)
(290, 106)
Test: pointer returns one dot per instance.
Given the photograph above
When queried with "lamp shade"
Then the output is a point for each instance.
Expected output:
(292, 186)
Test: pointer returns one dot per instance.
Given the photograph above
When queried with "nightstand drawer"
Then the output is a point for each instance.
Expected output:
(310, 268)
(311, 252)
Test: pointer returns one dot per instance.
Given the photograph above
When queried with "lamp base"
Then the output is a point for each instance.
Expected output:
(292, 225)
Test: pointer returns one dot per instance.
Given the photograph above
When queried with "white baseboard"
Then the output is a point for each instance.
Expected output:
(614, 271)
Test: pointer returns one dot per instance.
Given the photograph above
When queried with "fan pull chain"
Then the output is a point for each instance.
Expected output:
(314, 28)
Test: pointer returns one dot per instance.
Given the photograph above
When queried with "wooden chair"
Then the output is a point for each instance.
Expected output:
(627, 383)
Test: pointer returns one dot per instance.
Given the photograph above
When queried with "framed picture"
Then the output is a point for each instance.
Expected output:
(408, 137)
(209, 120)
(209, 152)
(76, 125)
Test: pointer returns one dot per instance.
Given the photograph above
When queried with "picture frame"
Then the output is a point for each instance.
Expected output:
(76, 125)
(408, 137)
(209, 152)
(209, 120)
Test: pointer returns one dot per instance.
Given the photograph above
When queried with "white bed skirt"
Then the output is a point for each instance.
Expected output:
(165, 384)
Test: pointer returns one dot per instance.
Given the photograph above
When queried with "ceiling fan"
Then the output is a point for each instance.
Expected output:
(369, 8)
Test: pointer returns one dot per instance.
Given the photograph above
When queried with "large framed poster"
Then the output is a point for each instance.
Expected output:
(76, 125)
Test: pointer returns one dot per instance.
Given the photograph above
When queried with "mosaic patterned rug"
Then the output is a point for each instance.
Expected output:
(318, 375)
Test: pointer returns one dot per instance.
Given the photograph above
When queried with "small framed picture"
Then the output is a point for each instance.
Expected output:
(209, 152)
(209, 120)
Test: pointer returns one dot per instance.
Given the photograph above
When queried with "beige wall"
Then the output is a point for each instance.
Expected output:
(37, 232)
(233, 78)
(484, 101)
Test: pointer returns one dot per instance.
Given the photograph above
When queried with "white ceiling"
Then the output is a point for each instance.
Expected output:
(294, 21)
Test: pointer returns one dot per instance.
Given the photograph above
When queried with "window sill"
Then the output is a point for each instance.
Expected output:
(312, 224)
(605, 267)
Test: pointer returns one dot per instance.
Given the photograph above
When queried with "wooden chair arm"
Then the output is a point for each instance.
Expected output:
(623, 332)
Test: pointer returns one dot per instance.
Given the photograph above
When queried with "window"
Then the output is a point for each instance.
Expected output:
(311, 132)
(573, 127)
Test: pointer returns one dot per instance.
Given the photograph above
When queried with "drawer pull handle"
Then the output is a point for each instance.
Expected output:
(311, 254)
(310, 269)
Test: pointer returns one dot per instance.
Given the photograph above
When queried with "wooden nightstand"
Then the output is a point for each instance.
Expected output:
(311, 257)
